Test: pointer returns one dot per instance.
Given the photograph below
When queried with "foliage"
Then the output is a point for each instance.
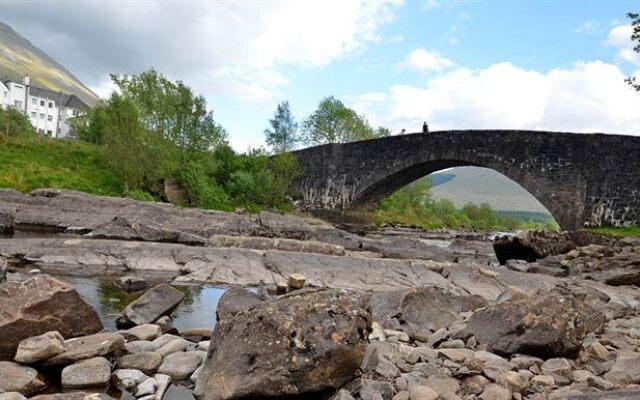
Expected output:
(13, 122)
(635, 37)
(91, 125)
(172, 110)
(413, 205)
(282, 135)
(32, 161)
(333, 122)
(617, 231)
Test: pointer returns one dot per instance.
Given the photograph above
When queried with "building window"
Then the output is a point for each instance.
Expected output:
(41, 116)
(33, 114)
(17, 103)
(49, 132)
(42, 103)
(50, 104)
(34, 101)
(49, 117)
(75, 113)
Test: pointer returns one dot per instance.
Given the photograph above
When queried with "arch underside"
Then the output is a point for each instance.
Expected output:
(370, 197)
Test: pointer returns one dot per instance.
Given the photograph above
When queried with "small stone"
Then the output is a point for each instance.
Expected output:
(203, 345)
(581, 376)
(143, 332)
(512, 293)
(377, 333)
(438, 336)
(40, 347)
(18, 378)
(12, 396)
(476, 383)
(138, 346)
(180, 365)
(146, 387)
(131, 283)
(442, 385)
(598, 350)
(163, 384)
(147, 362)
(129, 378)
(495, 392)
(525, 362)
(542, 383)
(197, 334)
(174, 346)
(281, 288)
(296, 281)
(92, 373)
(166, 324)
(403, 337)
(558, 366)
(456, 355)
(402, 395)
(452, 344)
(516, 381)
(343, 395)
(422, 393)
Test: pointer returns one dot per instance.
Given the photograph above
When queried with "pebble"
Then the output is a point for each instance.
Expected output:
(423, 393)
(495, 392)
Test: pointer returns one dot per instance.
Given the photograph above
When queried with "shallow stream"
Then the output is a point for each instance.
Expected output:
(197, 310)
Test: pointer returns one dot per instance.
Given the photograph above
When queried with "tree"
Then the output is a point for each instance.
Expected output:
(333, 122)
(282, 136)
(635, 37)
(383, 131)
(172, 110)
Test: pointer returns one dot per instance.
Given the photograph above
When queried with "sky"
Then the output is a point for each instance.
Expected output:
(547, 65)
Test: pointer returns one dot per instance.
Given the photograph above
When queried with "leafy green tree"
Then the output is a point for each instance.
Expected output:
(635, 37)
(14, 122)
(128, 146)
(282, 135)
(383, 131)
(333, 122)
(172, 110)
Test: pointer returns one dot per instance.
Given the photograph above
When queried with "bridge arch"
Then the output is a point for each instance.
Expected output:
(581, 179)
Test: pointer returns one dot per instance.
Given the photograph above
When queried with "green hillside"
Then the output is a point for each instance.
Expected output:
(31, 162)
(18, 57)
(482, 185)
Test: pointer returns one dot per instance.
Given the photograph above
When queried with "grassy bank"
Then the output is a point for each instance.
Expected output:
(625, 231)
(31, 162)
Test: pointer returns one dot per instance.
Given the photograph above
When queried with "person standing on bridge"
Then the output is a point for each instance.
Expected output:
(425, 127)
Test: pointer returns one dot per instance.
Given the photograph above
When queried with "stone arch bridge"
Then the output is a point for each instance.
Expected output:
(582, 179)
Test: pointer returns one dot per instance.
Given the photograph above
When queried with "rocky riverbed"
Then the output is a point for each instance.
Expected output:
(333, 312)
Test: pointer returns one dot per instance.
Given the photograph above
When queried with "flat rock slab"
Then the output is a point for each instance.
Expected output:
(18, 378)
(180, 365)
(147, 362)
(154, 303)
(92, 373)
(100, 344)
(39, 305)
(40, 347)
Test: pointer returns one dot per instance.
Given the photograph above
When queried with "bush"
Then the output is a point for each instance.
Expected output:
(14, 122)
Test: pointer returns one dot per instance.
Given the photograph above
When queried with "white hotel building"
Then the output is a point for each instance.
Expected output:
(48, 111)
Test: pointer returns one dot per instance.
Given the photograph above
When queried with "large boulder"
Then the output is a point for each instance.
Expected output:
(136, 228)
(304, 344)
(421, 310)
(544, 325)
(39, 305)
(532, 245)
(154, 303)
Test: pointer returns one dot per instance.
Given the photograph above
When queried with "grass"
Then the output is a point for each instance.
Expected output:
(29, 162)
(612, 231)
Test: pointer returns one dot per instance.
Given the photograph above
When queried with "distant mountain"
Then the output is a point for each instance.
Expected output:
(482, 185)
(18, 57)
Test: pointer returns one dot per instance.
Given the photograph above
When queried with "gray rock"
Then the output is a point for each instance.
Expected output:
(128, 379)
(91, 373)
(301, 344)
(546, 325)
(40, 347)
(235, 300)
(100, 344)
(38, 305)
(147, 362)
(423, 393)
(180, 366)
(156, 302)
(146, 387)
(163, 384)
(178, 393)
(626, 369)
(175, 345)
(21, 379)
(12, 396)
(7, 224)
(495, 392)
(143, 332)
(132, 283)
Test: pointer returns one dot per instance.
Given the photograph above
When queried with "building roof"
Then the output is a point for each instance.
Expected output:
(62, 99)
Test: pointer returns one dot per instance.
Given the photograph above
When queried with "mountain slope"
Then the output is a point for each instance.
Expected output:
(482, 185)
(18, 56)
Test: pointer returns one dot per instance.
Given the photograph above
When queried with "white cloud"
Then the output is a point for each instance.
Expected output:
(424, 60)
(430, 4)
(588, 97)
(230, 48)
(620, 36)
